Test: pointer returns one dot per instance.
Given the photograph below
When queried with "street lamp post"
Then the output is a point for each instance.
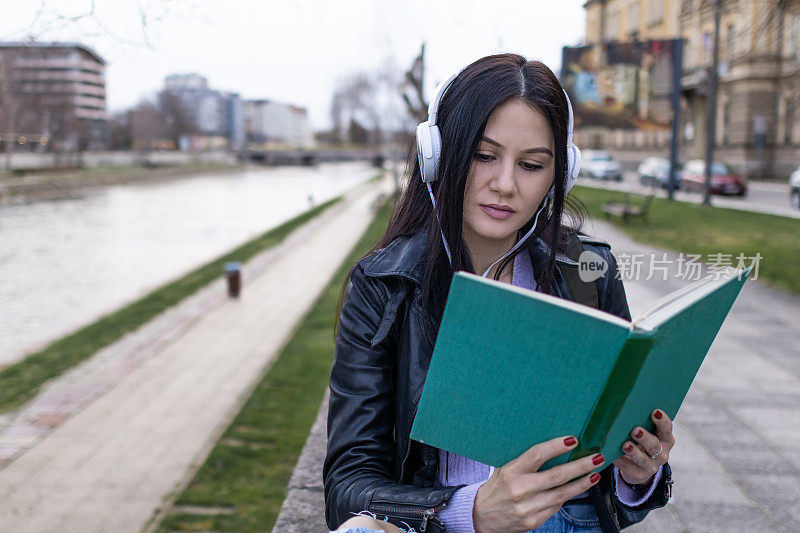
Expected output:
(712, 106)
(677, 71)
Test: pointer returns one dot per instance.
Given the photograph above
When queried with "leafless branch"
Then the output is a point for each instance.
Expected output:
(51, 20)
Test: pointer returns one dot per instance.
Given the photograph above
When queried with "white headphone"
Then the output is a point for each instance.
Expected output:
(429, 151)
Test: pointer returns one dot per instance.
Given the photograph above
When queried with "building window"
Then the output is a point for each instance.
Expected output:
(794, 35)
(707, 42)
(633, 16)
(655, 11)
(726, 124)
(611, 30)
(729, 48)
(788, 122)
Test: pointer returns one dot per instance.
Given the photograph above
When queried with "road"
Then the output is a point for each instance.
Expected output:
(762, 197)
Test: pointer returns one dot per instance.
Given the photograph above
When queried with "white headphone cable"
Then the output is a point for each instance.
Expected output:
(436, 212)
(519, 242)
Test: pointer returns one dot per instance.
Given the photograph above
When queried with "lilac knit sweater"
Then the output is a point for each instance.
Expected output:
(457, 470)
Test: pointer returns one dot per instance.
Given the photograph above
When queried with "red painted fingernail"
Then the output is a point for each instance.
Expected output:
(658, 415)
(594, 478)
(597, 459)
(639, 434)
(570, 441)
(628, 447)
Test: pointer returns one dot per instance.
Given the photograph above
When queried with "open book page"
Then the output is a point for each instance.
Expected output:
(553, 300)
(665, 307)
(682, 336)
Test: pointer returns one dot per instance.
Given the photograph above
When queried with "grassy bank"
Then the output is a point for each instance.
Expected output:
(49, 184)
(111, 171)
(692, 228)
(21, 381)
(242, 483)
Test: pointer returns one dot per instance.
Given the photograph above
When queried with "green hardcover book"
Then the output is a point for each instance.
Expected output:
(513, 367)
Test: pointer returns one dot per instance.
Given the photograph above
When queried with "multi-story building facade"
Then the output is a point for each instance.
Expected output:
(214, 119)
(55, 91)
(758, 98)
(267, 121)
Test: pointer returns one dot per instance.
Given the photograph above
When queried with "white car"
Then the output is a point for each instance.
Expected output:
(600, 166)
(654, 171)
(794, 188)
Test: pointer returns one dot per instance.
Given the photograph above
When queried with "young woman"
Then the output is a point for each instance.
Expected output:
(488, 197)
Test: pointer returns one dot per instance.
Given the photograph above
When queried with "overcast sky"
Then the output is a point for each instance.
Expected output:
(291, 51)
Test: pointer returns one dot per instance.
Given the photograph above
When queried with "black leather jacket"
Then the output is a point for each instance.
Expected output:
(383, 347)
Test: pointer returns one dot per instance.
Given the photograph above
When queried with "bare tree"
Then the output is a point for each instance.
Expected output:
(24, 111)
(413, 87)
(179, 122)
(356, 97)
(337, 115)
(119, 129)
(92, 19)
(377, 107)
(149, 127)
(373, 100)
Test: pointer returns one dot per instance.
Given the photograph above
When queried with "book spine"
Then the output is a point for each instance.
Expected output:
(618, 387)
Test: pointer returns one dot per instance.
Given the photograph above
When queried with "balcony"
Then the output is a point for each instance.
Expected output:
(91, 66)
(92, 102)
(91, 114)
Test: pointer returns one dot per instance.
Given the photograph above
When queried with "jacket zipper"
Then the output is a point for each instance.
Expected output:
(403, 462)
(427, 513)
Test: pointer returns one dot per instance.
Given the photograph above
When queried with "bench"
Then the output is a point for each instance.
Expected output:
(628, 208)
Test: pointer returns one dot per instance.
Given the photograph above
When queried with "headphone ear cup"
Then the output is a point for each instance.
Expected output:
(424, 150)
(570, 161)
(429, 148)
(574, 168)
(436, 145)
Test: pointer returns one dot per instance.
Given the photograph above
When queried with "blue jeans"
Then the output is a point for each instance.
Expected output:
(575, 517)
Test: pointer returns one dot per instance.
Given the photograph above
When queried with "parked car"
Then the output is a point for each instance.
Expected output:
(654, 171)
(723, 179)
(794, 188)
(600, 166)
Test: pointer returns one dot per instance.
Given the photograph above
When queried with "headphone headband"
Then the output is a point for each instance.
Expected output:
(429, 150)
(433, 106)
(429, 137)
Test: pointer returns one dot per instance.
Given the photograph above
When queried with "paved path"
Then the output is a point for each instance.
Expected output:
(737, 460)
(110, 465)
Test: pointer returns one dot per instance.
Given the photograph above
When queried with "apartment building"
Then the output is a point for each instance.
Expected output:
(758, 99)
(212, 119)
(267, 121)
(52, 96)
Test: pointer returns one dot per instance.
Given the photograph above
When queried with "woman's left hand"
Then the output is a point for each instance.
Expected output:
(640, 463)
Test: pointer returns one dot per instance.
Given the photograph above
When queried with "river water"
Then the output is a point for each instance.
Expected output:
(64, 263)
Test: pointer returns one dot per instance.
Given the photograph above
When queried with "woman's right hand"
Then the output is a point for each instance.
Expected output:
(519, 498)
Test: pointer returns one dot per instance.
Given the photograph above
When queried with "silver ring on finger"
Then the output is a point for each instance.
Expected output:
(660, 449)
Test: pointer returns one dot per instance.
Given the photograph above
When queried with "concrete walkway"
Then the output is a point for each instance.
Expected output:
(109, 466)
(737, 459)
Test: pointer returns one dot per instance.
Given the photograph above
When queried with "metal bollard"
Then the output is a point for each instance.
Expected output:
(233, 272)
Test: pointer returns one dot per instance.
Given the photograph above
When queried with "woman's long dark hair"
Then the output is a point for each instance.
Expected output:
(463, 113)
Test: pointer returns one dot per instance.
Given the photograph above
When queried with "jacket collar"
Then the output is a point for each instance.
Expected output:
(403, 257)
